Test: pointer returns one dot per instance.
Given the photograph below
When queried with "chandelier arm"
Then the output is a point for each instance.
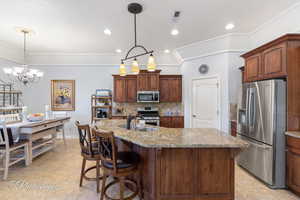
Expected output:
(137, 46)
(138, 55)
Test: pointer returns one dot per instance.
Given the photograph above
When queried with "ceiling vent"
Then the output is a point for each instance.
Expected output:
(176, 16)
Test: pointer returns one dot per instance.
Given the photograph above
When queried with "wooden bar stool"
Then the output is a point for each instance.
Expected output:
(118, 165)
(89, 152)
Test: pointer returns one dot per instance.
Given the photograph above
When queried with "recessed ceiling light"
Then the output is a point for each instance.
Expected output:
(118, 50)
(167, 51)
(174, 31)
(107, 31)
(229, 26)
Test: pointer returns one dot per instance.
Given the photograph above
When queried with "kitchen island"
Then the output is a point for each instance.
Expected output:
(185, 164)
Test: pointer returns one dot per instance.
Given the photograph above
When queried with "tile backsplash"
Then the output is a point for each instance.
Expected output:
(164, 108)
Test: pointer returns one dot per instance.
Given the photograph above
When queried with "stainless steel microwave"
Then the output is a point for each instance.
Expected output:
(148, 96)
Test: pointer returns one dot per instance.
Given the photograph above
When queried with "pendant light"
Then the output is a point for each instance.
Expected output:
(122, 69)
(151, 67)
(135, 67)
(135, 9)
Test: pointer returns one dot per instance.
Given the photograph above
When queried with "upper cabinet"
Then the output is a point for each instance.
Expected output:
(125, 89)
(170, 88)
(148, 81)
(268, 61)
(253, 68)
(274, 61)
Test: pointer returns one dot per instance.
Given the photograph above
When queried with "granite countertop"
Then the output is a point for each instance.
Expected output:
(173, 137)
(295, 134)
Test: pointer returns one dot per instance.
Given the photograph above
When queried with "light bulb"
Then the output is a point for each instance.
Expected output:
(40, 74)
(151, 67)
(135, 67)
(122, 69)
(8, 70)
(18, 70)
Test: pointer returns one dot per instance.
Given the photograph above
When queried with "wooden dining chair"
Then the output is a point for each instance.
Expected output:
(118, 165)
(7, 149)
(61, 129)
(89, 152)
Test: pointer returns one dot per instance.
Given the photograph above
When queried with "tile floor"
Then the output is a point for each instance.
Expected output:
(55, 176)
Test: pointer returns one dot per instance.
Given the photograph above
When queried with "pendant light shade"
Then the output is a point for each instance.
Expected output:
(135, 67)
(151, 67)
(122, 69)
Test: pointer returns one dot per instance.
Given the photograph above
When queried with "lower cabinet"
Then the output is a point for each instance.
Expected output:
(172, 121)
(293, 163)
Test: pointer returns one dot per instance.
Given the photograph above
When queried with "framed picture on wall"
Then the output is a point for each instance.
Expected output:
(62, 95)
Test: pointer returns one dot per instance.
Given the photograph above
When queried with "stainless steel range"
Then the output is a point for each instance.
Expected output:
(149, 114)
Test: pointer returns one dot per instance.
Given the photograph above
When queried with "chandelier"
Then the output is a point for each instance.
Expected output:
(23, 74)
(135, 9)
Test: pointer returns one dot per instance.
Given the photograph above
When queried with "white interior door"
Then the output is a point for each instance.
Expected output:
(205, 103)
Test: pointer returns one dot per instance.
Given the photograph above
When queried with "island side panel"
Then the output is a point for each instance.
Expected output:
(194, 174)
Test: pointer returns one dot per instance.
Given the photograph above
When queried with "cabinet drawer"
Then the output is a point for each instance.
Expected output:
(293, 142)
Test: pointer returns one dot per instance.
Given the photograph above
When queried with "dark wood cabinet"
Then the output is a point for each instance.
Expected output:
(233, 126)
(274, 61)
(172, 121)
(170, 87)
(148, 81)
(293, 163)
(253, 68)
(186, 173)
(125, 89)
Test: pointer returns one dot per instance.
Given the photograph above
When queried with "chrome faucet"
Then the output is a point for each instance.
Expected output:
(129, 119)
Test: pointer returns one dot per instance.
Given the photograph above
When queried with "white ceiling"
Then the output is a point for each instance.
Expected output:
(76, 26)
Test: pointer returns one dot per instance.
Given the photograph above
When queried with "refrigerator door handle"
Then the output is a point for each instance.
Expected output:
(247, 107)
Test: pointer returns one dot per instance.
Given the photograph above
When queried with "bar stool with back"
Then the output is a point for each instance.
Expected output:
(119, 165)
(89, 152)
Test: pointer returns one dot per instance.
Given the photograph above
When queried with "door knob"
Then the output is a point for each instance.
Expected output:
(194, 115)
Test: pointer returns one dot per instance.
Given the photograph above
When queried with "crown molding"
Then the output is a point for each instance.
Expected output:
(275, 18)
(215, 53)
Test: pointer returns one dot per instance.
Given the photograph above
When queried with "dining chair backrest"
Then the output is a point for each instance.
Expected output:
(4, 140)
(107, 147)
(85, 138)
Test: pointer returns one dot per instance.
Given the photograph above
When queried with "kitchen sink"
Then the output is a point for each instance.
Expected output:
(145, 129)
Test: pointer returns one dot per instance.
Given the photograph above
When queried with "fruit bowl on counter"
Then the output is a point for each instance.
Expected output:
(35, 117)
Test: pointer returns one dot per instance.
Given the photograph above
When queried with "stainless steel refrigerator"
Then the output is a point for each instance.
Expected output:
(262, 123)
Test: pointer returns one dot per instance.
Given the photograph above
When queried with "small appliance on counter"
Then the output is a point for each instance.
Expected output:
(149, 114)
(102, 113)
(148, 96)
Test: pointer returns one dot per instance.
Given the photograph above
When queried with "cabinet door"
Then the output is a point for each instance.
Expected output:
(274, 61)
(165, 122)
(175, 90)
(253, 68)
(119, 90)
(170, 88)
(164, 92)
(142, 82)
(131, 90)
(293, 171)
(153, 80)
(177, 122)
